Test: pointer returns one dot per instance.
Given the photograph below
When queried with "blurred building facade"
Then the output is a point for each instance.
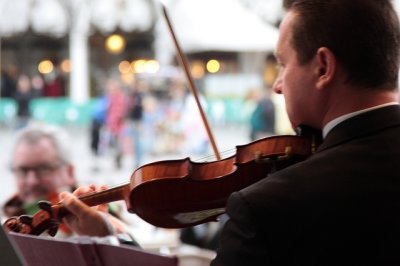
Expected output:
(74, 46)
(74, 37)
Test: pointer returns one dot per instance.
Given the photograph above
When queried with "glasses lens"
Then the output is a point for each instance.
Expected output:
(43, 170)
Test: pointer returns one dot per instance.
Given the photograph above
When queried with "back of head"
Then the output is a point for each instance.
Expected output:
(364, 35)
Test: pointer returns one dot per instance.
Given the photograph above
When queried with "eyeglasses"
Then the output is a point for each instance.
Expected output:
(41, 171)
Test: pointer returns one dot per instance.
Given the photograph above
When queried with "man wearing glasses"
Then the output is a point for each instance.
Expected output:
(42, 168)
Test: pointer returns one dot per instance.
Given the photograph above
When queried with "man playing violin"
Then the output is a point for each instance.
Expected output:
(339, 65)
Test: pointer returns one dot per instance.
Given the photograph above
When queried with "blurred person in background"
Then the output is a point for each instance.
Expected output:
(23, 97)
(262, 119)
(96, 128)
(8, 82)
(116, 117)
(195, 135)
(135, 118)
(42, 168)
(54, 85)
(37, 85)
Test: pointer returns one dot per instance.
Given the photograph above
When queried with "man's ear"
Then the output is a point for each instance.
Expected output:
(326, 67)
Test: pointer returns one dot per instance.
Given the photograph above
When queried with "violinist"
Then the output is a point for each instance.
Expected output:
(339, 65)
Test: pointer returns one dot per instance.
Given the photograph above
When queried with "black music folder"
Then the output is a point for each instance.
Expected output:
(84, 251)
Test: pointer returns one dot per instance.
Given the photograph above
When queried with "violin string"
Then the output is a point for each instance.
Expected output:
(222, 154)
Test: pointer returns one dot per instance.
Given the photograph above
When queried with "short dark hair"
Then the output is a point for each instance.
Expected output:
(364, 35)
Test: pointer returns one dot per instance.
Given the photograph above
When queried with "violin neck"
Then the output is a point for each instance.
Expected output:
(50, 216)
(105, 196)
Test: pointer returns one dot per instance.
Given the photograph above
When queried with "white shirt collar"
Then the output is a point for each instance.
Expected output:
(328, 127)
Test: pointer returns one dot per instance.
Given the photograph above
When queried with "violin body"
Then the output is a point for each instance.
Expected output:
(181, 193)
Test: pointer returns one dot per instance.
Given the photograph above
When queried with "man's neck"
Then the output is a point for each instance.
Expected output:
(353, 102)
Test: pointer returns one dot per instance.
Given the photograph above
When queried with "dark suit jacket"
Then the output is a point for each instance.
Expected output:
(339, 207)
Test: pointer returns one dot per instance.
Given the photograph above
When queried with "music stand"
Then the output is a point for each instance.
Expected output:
(10, 254)
(84, 251)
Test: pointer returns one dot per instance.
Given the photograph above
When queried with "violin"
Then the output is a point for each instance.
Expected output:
(182, 193)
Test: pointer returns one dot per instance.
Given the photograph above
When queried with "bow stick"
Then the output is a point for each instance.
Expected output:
(192, 85)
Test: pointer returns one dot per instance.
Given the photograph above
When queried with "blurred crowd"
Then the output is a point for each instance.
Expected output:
(23, 88)
(133, 118)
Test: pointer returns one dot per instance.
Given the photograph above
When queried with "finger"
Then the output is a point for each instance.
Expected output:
(84, 190)
(102, 207)
(74, 205)
(62, 195)
(93, 188)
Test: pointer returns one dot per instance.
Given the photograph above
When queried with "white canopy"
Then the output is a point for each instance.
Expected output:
(49, 17)
(45, 16)
(222, 25)
(129, 15)
(14, 17)
(53, 17)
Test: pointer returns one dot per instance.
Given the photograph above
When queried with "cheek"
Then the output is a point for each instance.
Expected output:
(295, 100)
(63, 178)
(291, 109)
(54, 184)
(20, 184)
(289, 91)
(49, 184)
